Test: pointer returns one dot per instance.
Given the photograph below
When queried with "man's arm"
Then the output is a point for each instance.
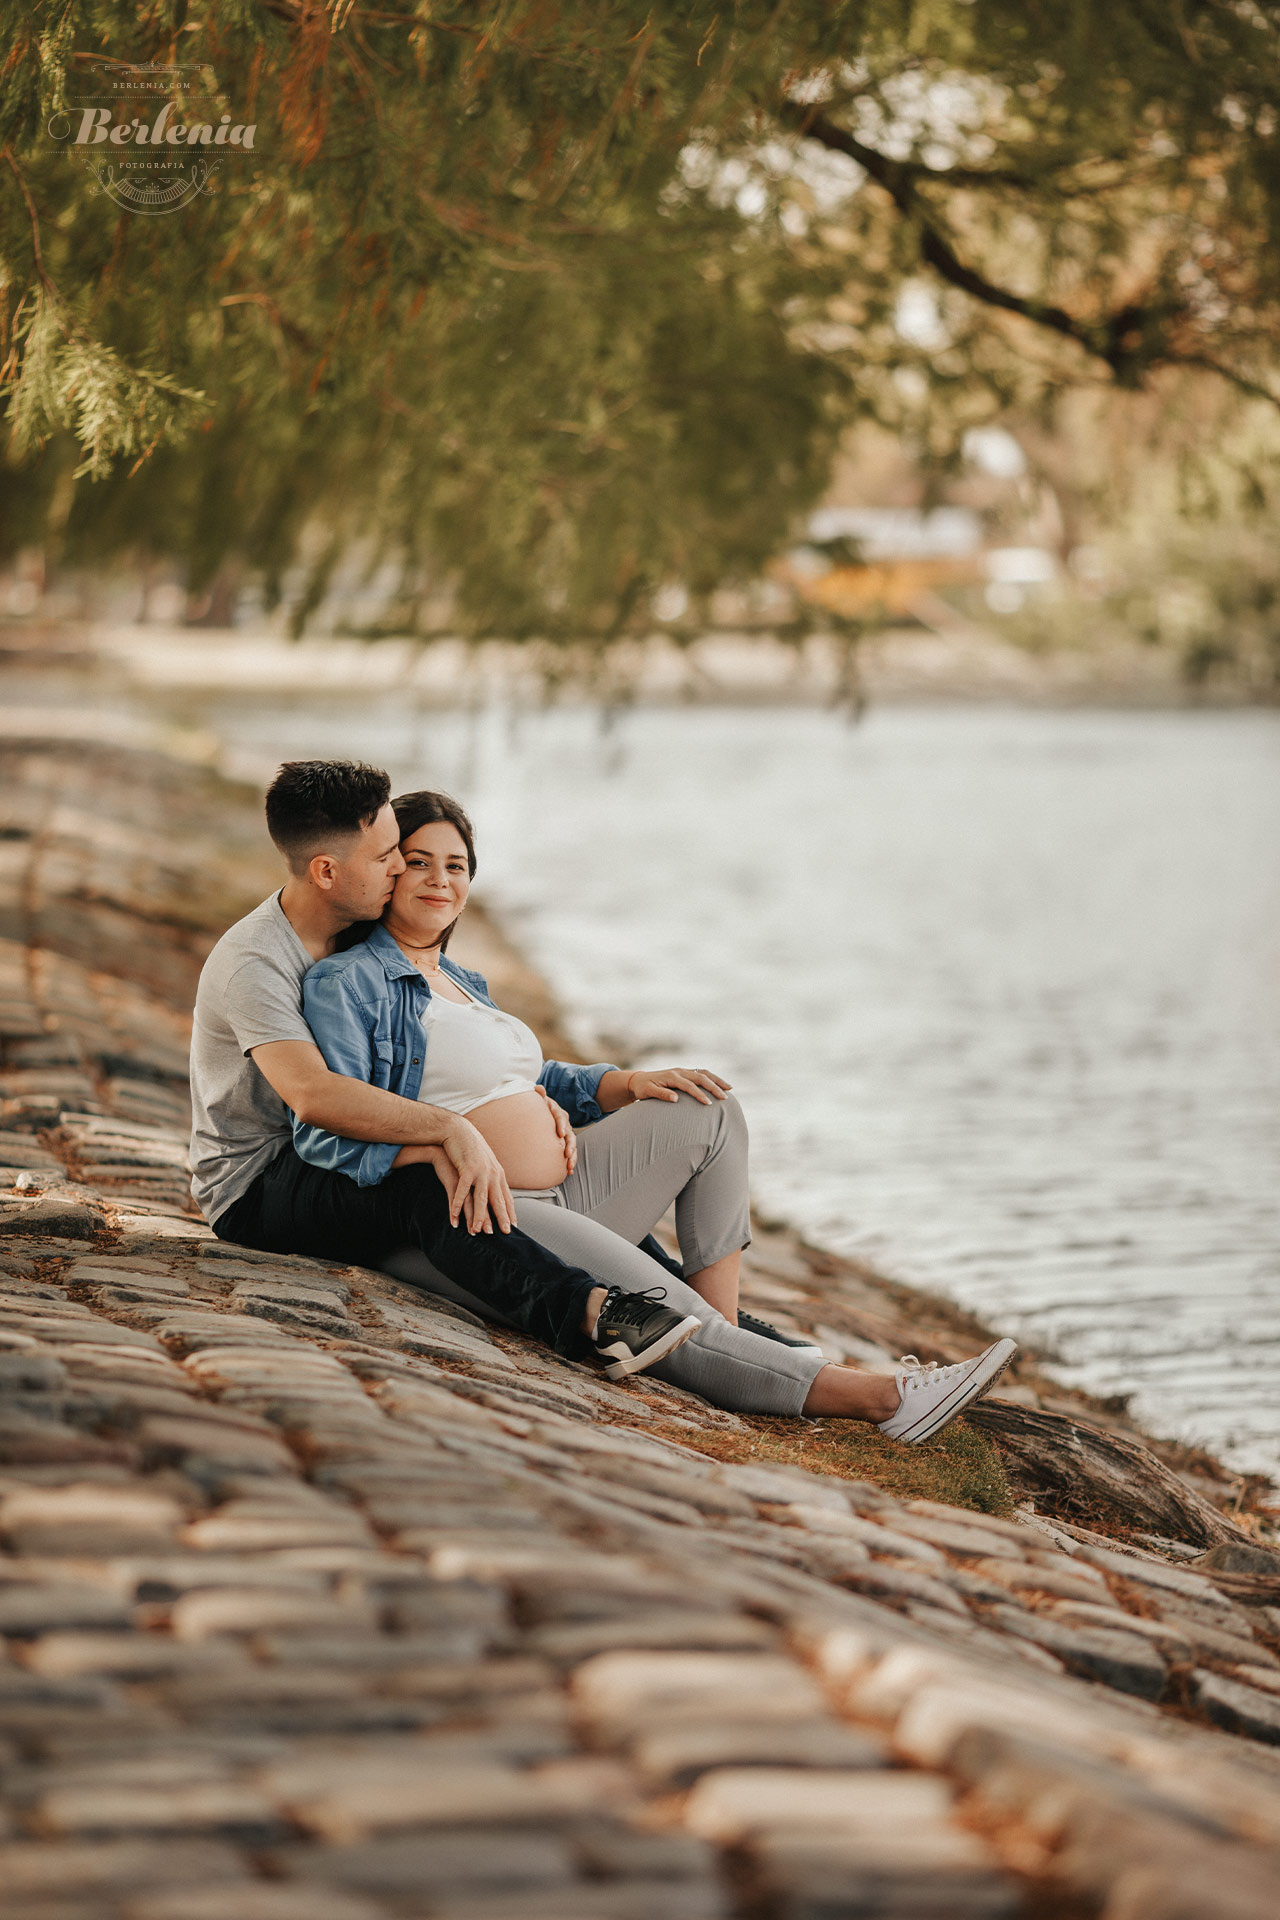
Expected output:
(296, 1070)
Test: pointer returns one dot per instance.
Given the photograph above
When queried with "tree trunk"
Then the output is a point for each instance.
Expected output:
(216, 605)
(1089, 1473)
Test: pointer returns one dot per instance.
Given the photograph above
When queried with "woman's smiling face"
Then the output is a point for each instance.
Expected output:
(432, 891)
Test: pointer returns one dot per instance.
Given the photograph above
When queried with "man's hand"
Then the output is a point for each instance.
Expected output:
(479, 1187)
(471, 1175)
(568, 1138)
(668, 1083)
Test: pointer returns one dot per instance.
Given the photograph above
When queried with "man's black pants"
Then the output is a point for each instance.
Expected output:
(296, 1208)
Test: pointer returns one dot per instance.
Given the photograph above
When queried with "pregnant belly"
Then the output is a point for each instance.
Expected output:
(523, 1135)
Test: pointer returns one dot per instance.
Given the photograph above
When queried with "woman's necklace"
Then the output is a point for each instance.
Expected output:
(414, 947)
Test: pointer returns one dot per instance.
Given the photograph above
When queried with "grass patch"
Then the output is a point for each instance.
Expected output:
(960, 1468)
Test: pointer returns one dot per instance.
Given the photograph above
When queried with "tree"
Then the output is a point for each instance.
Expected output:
(557, 300)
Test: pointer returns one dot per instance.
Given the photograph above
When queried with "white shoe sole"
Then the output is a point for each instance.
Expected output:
(637, 1362)
(987, 1369)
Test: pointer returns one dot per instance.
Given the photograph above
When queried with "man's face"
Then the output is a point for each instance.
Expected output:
(362, 879)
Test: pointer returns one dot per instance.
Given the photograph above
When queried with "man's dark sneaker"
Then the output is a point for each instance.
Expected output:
(767, 1331)
(636, 1330)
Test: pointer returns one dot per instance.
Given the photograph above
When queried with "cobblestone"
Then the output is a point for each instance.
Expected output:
(889, 1542)
(1265, 1677)
(1149, 1572)
(625, 1692)
(32, 1870)
(1124, 1660)
(32, 1609)
(1238, 1707)
(64, 1218)
(210, 1450)
(678, 1756)
(902, 1583)
(1036, 1577)
(218, 1807)
(965, 1538)
(736, 1802)
(262, 1610)
(253, 1901)
(349, 1796)
(651, 1628)
(244, 1526)
(486, 1859)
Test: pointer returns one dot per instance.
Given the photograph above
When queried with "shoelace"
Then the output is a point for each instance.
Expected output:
(916, 1371)
(652, 1297)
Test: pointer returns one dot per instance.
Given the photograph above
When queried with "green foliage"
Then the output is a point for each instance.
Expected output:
(1211, 595)
(550, 302)
(70, 380)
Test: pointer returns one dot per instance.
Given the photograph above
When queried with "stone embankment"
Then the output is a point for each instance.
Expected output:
(323, 1601)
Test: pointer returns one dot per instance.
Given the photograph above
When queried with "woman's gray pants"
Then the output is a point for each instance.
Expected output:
(631, 1166)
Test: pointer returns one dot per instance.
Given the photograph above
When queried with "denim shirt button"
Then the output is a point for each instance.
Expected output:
(415, 1059)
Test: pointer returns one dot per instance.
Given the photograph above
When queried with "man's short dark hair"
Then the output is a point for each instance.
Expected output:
(311, 803)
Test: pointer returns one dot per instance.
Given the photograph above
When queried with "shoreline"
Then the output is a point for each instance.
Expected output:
(902, 665)
(319, 1593)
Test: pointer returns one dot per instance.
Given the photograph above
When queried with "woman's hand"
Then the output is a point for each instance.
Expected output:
(471, 1175)
(668, 1083)
(568, 1138)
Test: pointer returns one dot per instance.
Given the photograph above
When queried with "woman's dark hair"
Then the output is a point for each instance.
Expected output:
(424, 809)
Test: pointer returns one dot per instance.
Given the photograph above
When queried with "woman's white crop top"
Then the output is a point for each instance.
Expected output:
(475, 1053)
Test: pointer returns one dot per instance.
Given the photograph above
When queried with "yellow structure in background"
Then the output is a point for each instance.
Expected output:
(891, 590)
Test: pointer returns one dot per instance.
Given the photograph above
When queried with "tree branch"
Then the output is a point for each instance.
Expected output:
(1121, 339)
(899, 183)
(34, 219)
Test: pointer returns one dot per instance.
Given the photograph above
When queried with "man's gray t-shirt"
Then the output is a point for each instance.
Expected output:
(250, 993)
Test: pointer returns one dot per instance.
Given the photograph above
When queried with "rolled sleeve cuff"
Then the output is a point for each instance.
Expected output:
(574, 1088)
(375, 1163)
(591, 1078)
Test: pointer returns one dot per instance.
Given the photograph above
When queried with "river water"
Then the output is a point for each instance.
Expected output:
(999, 989)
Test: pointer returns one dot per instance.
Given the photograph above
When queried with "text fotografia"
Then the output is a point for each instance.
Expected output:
(147, 154)
(98, 125)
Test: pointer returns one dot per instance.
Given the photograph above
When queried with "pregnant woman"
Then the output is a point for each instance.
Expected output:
(395, 1011)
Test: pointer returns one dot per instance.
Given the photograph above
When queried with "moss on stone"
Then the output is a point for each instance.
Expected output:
(960, 1468)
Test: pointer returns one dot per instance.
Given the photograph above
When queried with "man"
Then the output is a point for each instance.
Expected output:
(253, 1059)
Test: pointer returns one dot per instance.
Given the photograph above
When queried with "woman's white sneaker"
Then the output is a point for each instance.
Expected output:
(933, 1395)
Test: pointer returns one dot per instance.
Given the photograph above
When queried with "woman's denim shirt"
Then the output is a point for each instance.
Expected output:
(365, 1009)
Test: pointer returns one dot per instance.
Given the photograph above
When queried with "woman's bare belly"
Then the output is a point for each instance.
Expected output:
(523, 1135)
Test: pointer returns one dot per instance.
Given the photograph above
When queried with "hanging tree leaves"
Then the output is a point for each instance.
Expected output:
(555, 300)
